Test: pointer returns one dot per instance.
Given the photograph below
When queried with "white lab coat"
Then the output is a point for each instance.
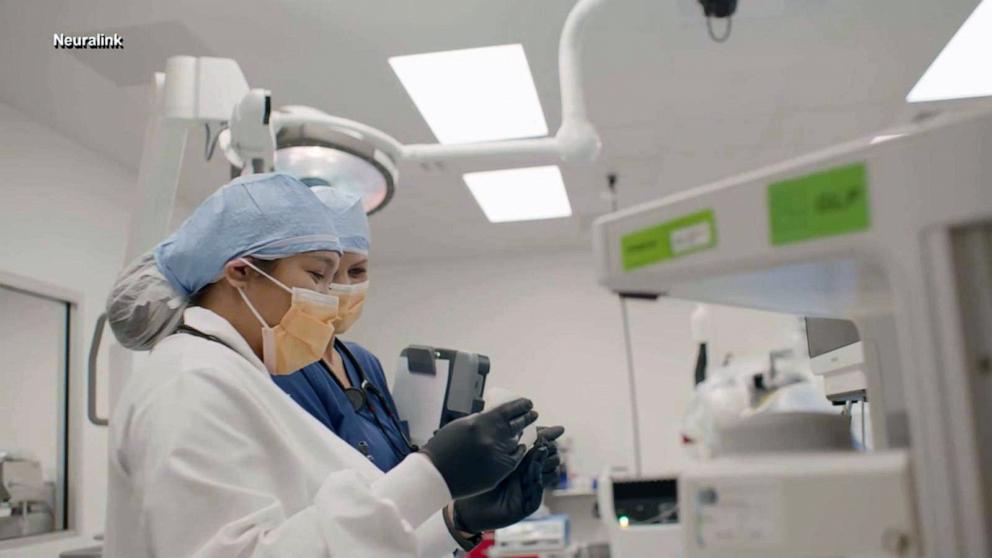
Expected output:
(209, 458)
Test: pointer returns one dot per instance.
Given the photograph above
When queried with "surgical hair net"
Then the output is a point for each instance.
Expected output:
(349, 217)
(143, 308)
(268, 216)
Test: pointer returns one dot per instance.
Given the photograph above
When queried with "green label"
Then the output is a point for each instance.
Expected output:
(679, 237)
(822, 204)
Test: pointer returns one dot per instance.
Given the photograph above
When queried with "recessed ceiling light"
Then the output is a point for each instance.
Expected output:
(520, 194)
(477, 94)
(961, 70)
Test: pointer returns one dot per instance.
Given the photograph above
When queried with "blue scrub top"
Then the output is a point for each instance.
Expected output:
(316, 390)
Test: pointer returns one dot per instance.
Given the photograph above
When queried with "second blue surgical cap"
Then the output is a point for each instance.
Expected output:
(349, 218)
(264, 215)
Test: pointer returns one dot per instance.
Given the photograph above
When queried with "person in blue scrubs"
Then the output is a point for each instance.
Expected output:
(374, 429)
(347, 390)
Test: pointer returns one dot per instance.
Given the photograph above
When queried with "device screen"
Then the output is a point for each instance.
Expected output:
(824, 335)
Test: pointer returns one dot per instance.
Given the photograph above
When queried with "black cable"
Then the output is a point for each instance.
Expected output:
(410, 446)
(701, 363)
(726, 32)
(366, 387)
(385, 433)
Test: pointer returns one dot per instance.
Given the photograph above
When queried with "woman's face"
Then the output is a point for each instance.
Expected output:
(311, 270)
(354, 269)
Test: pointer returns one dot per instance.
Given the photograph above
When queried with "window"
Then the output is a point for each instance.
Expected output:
(34, 346)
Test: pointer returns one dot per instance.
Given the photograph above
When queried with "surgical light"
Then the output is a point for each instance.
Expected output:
(474, 95)
(320, 153)
(961, 69)
(520, 194)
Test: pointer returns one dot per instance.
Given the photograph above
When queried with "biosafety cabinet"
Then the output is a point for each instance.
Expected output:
(894, 234)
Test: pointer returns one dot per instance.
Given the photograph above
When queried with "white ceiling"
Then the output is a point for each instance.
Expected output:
(674, 108)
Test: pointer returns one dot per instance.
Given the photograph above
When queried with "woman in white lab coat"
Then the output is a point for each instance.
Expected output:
(209, 458)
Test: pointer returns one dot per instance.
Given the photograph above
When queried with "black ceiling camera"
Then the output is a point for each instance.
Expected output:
(722, 9)
(719, 8)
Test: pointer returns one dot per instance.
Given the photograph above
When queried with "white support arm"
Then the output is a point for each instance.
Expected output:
(576, 140)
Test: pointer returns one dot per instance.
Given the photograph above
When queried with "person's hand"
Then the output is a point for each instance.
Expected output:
(519, 495)
(551, 471)
(513, 499)
(474, 453)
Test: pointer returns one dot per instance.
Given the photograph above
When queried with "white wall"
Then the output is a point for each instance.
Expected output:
(63, 220)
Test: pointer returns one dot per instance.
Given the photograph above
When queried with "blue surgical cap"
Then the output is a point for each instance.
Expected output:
(268, 216)
(349, 217)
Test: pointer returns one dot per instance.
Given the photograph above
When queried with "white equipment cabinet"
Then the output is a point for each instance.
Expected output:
(894, 235)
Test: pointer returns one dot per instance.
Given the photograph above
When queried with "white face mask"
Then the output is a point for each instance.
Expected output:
(351, 299)
(304, 332)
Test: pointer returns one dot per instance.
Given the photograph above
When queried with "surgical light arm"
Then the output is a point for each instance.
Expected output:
(576, 140)
(196, 91)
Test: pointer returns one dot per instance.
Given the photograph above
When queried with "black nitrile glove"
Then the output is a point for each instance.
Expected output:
(474, 453)
(546, 437)
(518, 496)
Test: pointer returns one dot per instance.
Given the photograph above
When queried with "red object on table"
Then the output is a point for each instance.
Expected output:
(482, 551)
(488, 540)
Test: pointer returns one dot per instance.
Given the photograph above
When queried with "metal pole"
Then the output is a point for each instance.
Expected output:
(629, 350)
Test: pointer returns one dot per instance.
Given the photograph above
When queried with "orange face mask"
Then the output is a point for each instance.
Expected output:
(351, 299)
(304, 332)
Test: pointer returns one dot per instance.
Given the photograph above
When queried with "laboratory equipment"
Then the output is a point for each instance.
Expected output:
(759, 405)
(533, 535)
(433, 387)
(791, 431)
(837, 354)
(895, 236)
(814, 504)
(641, 516)
(27, 500)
